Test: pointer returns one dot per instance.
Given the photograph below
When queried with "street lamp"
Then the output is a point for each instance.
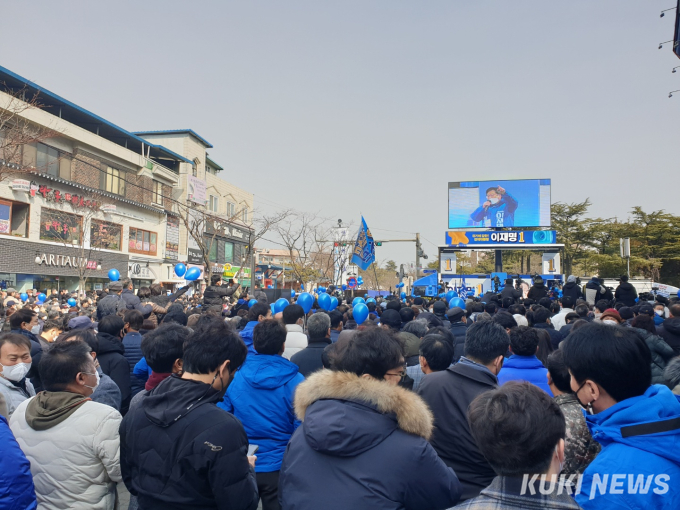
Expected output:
(663, 13)
(674, 69)
(37, 257)
(99, 265)
(670, 94)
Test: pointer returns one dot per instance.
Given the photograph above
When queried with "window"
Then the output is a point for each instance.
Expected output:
(14, 218)
(113, 181)
(47, 160)
(105, 235)
(60, 226)
(213, 203)
(157, 193)
(228, 252)
(231, 209)
(212, 255)
(142, 241)
(244, 215)
(194, 171)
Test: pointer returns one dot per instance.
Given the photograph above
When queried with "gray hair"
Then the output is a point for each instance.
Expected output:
(318, 325)
(418, 328)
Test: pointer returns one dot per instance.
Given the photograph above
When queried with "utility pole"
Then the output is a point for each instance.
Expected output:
(418, 252)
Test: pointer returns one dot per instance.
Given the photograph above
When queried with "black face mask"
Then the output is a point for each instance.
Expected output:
(589, 406)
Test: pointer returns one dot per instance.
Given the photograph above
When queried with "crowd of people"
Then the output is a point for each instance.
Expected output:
(210, 400)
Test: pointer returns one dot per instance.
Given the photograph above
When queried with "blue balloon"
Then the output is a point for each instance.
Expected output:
(280, 304)
(450, 295)
(72, 302)
(292, 292)
(192, 274)
(273, 308)
(251, 303)
(344, 287)
(325, 302)
(403, 295)
(305, 300)
(41, 298)
(358, 300)
(456, 301)
(23, 296)
(360, 313)
(334, 303)
(370, 300)
(302, 287)
(114, 275)
(180, 269)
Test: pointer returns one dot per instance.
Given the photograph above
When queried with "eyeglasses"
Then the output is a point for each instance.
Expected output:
(399, 374)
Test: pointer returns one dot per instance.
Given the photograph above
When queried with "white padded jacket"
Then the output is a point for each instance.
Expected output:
(296, 340)
(75, 464)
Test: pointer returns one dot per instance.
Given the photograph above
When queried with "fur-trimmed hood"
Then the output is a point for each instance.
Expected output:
(368, 403)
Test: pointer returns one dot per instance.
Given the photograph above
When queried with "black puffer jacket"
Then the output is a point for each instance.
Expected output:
(362, 444)
(112, 360)
(626, 294)
(459, 330)
(214, 293)
(572, 290)
(179, 451)
(670, 332)
(661, 355)
(538, 291)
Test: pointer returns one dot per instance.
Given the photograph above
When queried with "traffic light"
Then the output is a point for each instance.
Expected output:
(378, 243)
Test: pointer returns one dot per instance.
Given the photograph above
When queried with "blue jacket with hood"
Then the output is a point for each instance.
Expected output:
(261, 397)
(247, 337)
(525, 368)
(640, 455)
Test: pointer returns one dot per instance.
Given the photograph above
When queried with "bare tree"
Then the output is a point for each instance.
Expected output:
(16, 130)
(79, 229)
(309, 242)
(204, 229)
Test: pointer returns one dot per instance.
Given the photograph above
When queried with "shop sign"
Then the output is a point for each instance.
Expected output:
(197, 190)
(51, 259)
(140, 271)
(214, 226)
(20, 185)
(108, 208)
(230, 271)
(172, 238)
(194, 256)
(61, 197)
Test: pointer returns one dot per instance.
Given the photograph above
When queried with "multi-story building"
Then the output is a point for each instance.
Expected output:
(221, 212)
(82, 197)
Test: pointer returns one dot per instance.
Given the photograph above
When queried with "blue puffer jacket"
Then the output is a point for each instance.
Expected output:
(247, 336)
(640, 455)
(261, 397)
(525, 368)
(16, 482)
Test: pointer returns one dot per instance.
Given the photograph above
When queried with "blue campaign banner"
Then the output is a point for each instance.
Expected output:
(520, 238)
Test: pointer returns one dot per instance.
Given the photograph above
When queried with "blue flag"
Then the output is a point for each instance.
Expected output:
(364, 248)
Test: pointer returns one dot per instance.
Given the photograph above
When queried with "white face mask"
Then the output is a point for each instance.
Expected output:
(610, 323)
(658, 312)
(15, 372)
(96, 374)
(36, 329)
(494, 200)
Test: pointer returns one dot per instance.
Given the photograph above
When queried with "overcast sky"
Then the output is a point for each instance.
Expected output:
(374, 106)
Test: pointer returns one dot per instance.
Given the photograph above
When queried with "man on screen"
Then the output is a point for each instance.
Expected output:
(498, 210)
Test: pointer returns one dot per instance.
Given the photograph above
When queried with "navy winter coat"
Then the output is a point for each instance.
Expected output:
(133, 353)
(362, 444)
